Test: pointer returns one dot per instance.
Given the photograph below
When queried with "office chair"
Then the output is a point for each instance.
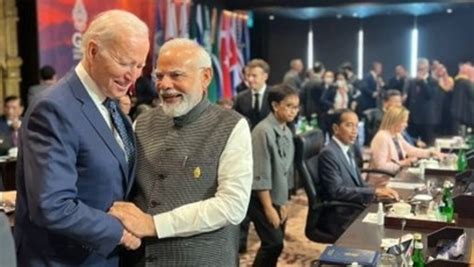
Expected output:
(308, 146)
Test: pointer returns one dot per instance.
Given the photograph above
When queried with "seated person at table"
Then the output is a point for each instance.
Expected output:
(340, 178)
(391, 98)
(390, 150)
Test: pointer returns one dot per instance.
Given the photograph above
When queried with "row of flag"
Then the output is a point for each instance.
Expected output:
(222, 33)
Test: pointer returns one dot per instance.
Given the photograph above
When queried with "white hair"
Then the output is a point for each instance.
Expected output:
(203, 60)
(107, 26)
(423, 62)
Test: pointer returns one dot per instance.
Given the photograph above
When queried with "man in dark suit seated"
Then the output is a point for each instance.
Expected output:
(340, 178)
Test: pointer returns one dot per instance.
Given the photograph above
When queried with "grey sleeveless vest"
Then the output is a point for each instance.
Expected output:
(178, 161)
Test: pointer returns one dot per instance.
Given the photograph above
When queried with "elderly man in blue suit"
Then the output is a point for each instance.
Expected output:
(77, 153)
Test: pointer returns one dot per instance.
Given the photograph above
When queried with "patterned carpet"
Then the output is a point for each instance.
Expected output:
(298, 251)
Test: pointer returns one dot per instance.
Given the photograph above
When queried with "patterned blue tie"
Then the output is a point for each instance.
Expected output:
(119, 125)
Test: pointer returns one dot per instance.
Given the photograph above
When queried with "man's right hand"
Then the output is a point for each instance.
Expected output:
(129, 241)
(273, 217)
(385, 192)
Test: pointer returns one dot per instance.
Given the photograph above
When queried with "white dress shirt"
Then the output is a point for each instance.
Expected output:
(98, 98)
(344, 148)
(229, 204)
(260, 97)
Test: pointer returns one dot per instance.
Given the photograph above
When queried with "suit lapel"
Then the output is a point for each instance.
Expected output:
(342, 158)
(97, 121)
(265, 108)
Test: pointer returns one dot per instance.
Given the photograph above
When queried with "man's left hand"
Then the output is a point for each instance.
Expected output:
(133, 219)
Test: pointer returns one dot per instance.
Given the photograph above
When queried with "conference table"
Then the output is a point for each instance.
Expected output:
(362, 235)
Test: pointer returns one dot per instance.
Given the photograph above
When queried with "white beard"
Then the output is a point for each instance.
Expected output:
(176, 110)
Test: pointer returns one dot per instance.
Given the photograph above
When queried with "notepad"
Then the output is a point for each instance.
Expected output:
(341, 255)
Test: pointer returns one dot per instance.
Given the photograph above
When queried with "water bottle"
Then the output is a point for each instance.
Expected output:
(314, 121)
(422, 169)
(361, 133)
(462, 161)
(303, 125)
(380, 215)
(447, 209)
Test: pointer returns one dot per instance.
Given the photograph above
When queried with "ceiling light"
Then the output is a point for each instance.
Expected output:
(271, 17)
(449, 11)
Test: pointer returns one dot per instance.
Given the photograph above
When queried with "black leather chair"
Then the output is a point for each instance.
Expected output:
(308, 146)
(372, 119)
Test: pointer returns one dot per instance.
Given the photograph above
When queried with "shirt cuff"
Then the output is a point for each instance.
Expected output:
(163, 225)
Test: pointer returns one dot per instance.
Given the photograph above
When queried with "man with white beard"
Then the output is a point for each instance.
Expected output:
(194, 169)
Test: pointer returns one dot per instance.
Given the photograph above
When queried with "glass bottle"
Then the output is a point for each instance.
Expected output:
(462, 162)
(447, 207)
(303, 125)
(314, 121)
(417, 257)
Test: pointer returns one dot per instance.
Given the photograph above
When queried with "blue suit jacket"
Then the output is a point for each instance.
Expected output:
(70, 170)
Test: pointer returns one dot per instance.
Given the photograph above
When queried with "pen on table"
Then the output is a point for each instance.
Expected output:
(185, 160)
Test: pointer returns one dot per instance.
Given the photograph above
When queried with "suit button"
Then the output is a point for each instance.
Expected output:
(154, 203)
(161, 177)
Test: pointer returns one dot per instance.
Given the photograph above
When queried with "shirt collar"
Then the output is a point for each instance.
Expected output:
(91, 87)
(260, 91)
(193, 114)
(279, 128)
(344, 147)
(373, 74)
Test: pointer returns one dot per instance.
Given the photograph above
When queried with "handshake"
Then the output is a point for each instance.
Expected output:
(136, 223)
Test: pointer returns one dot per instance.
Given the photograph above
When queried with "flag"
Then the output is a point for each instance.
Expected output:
(183, 20)
(236, 68)
(228, 53)
(158, 35)
(245, 41)
(206, 30)
(195, 32)
(171, 24)
(214, 91)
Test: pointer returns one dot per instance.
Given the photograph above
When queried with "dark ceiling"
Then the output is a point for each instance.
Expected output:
(311, 9)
